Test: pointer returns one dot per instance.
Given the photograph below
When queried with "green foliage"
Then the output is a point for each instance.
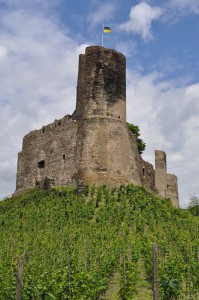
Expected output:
(194, 210)
(72, 244)
(171, 278)
(136, 131)
(193, 205)
(193, 201)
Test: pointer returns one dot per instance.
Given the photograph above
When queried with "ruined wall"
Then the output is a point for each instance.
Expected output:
(49, 152)
(172, 189)
(148, 175)
(160, 172)
(165, 184)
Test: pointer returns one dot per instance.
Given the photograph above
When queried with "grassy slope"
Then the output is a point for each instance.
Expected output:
(96, 245)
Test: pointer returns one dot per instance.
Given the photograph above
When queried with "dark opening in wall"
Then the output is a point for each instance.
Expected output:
(143, 171)
(41, 164)
(64, 156)
(99, 65)
(43, 130)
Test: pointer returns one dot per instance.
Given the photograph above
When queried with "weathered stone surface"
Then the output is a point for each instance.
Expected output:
(160, 172)
(101, 87)
(93, 145)
(48, 152)
(165, 184)
(172, 189)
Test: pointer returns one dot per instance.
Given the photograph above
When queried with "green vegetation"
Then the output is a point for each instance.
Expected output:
(136, 131)
(193, 206)
(97, 244)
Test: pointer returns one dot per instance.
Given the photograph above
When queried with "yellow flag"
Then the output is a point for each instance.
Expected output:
(107, 29)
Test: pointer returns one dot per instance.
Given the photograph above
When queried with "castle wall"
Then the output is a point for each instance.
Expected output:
(49, 152)
(172, 189)
(160, 172)
(104, 154)
(165, 184)
(148, 175)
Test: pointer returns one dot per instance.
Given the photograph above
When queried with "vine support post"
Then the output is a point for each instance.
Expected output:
(20, 278)
(155, 272)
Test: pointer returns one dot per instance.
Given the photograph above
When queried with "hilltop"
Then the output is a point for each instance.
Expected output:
(96, 245)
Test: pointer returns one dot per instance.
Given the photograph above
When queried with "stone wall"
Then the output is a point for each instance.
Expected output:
(165, 184)
(172, 189)
(160, 172)
(49, 152)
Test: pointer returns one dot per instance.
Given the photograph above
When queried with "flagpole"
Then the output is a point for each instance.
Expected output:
(103, 35)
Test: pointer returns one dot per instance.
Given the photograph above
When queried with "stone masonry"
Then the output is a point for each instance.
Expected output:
(93, 145)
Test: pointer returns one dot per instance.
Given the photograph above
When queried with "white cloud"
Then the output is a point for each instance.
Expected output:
(185, 6)
(128, 48)
(141, 17)
(168, 117)
(103, 13)
(27, 4)
(3, 52)
(38, 80)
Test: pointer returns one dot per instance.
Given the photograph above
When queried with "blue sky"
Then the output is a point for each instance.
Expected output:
(39, 46)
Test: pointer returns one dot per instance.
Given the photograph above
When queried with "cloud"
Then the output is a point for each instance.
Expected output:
(103, 13)
(185, 6)
(39, 63)
(28, 4)
(128, 48)
(141, 17)
(3, 52)
(168, 117)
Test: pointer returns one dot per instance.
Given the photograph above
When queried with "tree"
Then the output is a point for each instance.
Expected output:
(136, 131)
(193, 205)
(193, 201)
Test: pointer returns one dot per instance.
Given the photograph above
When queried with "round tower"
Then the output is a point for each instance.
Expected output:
(104, 152)
(101, 87)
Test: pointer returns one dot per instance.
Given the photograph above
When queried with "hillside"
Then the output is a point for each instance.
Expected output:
(97, 245)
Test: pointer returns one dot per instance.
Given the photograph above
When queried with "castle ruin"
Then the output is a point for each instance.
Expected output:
(93, 145)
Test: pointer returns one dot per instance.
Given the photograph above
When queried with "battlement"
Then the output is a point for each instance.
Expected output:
(56, 126)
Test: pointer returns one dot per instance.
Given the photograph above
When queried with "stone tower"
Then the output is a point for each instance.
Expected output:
(93, 145)
(104, 154)
(101, 87)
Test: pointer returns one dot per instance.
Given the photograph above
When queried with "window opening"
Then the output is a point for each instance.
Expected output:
(41, 164)
(99, 65)
(143, 171)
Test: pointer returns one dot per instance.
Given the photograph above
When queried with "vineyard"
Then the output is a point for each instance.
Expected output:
(96, 245)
